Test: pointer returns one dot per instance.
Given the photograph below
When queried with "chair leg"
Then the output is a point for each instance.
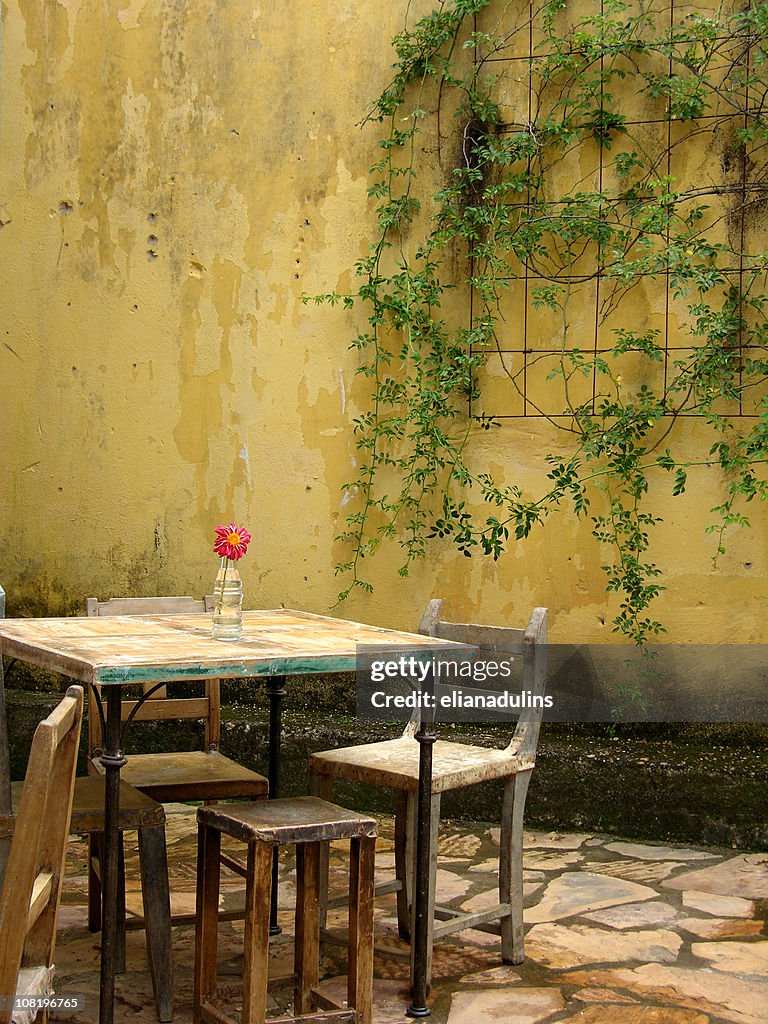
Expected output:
(307, 931)
(157, 916)
(258, 892)
(360, 949)
(405, 830)
(206, 917)
(434, 830)
(511, 867)
(322, 786)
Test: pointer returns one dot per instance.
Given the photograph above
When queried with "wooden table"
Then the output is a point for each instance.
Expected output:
(113, 651)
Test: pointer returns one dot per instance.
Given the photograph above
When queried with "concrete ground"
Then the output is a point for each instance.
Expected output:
(616, 933)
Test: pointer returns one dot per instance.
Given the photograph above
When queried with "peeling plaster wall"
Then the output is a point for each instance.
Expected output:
(173, 177)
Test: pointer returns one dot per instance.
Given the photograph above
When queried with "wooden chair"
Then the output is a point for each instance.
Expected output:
(137, 811)
(395, 764)
(147, 817)
(29, 901)
(205, 775)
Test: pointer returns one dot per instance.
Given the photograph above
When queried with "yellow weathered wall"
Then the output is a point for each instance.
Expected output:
(173, 177)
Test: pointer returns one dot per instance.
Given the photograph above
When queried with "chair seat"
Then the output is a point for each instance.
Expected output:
(395, 763)
(303, 819)
(137, 810)
(192, 775)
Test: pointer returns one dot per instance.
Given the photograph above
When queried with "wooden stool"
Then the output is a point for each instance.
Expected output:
(306, 822)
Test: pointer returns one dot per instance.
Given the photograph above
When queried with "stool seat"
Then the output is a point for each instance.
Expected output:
(309, 823)
(303, 819)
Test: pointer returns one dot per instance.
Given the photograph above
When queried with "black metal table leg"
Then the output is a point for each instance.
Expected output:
(421, 903)
(112, 759)
(275, 692)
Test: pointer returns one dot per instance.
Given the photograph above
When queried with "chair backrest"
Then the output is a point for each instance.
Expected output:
(158, 706)
(531, 642)
(31, 888)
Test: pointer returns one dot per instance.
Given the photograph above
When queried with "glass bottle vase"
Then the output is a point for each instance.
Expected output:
(228, 603)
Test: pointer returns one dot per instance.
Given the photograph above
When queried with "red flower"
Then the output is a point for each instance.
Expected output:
(231, 541)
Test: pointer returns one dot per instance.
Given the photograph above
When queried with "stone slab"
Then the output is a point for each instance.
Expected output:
(556, 840)
(634, 915)
(720, 927)
(639, 1015)
(547, 840)
(645, 851)
(737, 1000)
(745, 876)
(560, 946)
(495, 976)
(602, 996)
(449, 886)
(580, 891)
(459, 845)
(721, 906)
(735, 957)
(488, 898)
(494, 1006)
(636, 870)
(551, 860)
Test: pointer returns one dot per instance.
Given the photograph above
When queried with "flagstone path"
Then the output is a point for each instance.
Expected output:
(616, 933)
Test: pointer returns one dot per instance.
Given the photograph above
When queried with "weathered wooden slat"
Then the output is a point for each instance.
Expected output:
(212, 1014)
(166, 710)
(462, 921)
(234, 864)
(41, 893)
(323, 1017)
(324, 1002)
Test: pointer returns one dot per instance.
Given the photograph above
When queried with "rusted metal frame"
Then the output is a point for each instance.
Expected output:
(134, 710)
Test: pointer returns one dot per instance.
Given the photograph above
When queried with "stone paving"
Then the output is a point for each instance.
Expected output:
(616, 933)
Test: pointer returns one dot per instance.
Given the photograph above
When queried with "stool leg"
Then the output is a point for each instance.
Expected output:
(206, 917)
(153, 859)
(307, 945)
(322, 786)
(360, 950)
(258, 891)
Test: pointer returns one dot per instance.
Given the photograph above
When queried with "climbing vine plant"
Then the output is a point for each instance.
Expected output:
(552, 182)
